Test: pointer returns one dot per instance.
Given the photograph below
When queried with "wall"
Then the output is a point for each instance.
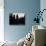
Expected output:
(29, 7)
(43, 6)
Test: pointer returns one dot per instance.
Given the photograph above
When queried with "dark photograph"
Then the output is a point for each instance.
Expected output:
(16, 19)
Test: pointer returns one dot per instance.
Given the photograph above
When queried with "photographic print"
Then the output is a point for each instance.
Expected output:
(16, 19)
